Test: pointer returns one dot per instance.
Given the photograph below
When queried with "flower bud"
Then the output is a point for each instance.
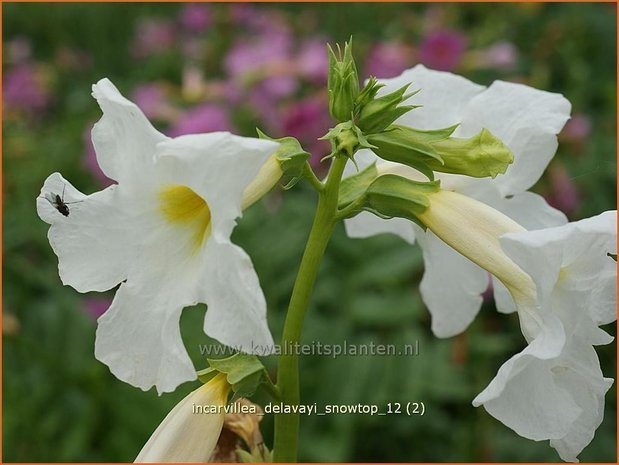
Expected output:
(378, 113)
(342, 83)
(480, 156)
(190, 431)
(411, 147)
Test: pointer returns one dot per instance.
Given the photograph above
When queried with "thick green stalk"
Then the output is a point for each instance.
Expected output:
(287, 425)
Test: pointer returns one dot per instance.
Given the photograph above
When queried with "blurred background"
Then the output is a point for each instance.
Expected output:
(205, 67)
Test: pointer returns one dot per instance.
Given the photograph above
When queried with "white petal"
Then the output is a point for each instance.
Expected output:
(579, 252)
(525, 396)
(184, 435)
(366, 224)
(123, 138)
(527, 120)
(92, 242)
(502, 298)
(236, 314)
(451, 286)
(444, 97)
(217, 166)
(581, 376)
(541, 261)
(531, 211)
(139, 337)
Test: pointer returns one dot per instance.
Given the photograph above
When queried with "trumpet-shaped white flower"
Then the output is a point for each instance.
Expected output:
(563, 282)
(527, 121)
(163, 232)
(189, 433)
(554, 389)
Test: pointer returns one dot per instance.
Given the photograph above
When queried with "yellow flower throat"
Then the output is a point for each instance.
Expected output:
(181, 206)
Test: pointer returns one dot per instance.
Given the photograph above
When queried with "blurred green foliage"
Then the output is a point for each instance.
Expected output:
(60, 404)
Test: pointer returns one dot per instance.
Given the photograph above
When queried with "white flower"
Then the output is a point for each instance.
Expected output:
(564, 284)
(189, 433)
(527, 121)
(163, 232)
(554, 389)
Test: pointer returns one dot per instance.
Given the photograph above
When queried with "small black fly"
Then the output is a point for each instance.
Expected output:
(58, 202)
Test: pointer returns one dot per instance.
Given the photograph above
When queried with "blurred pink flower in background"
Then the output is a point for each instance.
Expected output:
(207, 117)
(195, 17)
(442, 50)
(151, 98)
(153, 36)
(96, 306)
(263, 65)
(502, 55)
(307, 120)
(312, 60)
(564, 193)
(577, 129)
(388, 59)
(25, 89)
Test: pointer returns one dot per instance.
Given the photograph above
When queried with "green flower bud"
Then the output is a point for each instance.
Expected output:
(368, 93)
(342, 83)
(411, 147)
(378, 113)
(346, 138)
(479, 156)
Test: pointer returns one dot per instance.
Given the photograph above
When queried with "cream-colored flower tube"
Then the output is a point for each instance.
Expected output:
(270, 173)
(189, 433)
(473, 229)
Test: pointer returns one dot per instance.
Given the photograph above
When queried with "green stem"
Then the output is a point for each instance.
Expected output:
(287, 425)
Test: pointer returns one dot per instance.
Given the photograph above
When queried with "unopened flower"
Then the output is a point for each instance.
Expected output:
(554, 389)
(526, 120)
(163, 233)
(189, 433)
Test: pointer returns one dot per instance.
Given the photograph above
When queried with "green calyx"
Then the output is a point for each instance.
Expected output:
(480, 156)
(291, 157)
(346, 138)
(411, 147)
(387, 196)
(244, 372)
(342, 82)
(391, 196)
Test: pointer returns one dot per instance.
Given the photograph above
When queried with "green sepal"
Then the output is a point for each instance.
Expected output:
(353, 187)
(346, 138)
(395, 196)
(479, 156)
(258, 455)
(244, 456)
(368, 93)
(379, 112)
(291, 156)
(342, 82)
(244, 372)
(411, 147)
